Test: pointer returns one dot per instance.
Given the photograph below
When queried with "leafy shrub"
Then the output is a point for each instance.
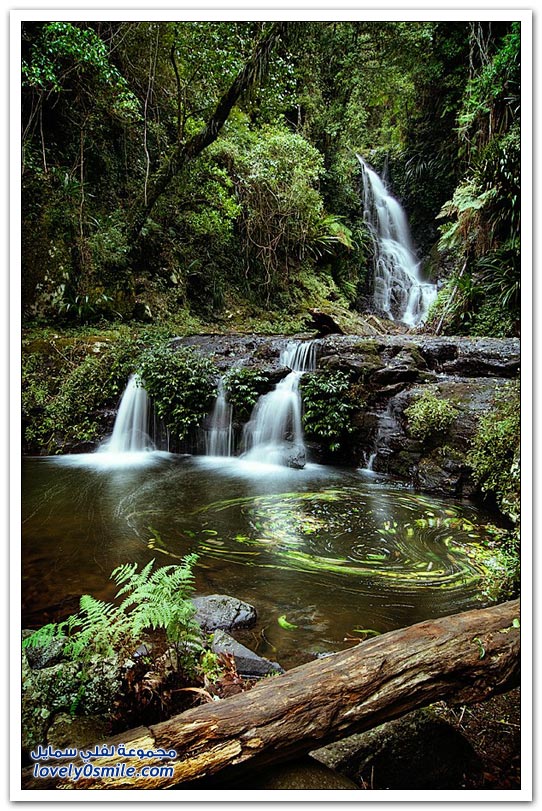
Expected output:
(327, 407)
(152, 600)
(181, 384)
(244, 387)
(430, 415)
(494, 456)
(62, 391)
(501, 580)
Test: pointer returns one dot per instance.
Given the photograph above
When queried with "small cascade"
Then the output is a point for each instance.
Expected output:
(274, 433)
(219, 436)
(130, 431)
(399, 290)
(387, 435)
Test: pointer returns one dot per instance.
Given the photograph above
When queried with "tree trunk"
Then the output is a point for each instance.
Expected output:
(463, 659)
(251, 74)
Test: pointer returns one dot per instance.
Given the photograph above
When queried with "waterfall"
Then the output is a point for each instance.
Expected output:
(132, 422)
(387, 435)
(398, 289)
(274, 433)
(219, 437)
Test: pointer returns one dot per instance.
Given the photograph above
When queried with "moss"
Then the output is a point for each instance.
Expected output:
(494, 456)
(430, 415)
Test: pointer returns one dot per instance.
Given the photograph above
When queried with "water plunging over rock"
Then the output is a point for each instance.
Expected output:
(130, 431)
(399, 291)
(219, 437)
(274, 433)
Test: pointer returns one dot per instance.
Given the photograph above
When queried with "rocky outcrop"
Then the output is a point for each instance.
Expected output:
(418, 751)
(388, 373)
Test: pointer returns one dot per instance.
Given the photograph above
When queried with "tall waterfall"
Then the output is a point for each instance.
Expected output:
(399, 290)
(274, 433)
(132, 422)
(219, 437)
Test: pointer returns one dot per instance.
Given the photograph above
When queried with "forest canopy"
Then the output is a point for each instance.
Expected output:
(195, 169)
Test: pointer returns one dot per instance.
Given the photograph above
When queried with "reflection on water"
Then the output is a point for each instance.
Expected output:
(332, 551)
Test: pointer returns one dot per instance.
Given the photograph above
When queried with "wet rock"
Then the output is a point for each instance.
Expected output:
(300, 774)
(295, 457)
(46, 655)
(323, 323)
(360, 367)
(219, 611)
(443, 471)
(405, 366)
(438, 464)
(61, 688)
(418, 751)
(248, 663)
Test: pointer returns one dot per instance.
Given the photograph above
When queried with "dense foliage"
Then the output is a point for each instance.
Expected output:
(495, 453)
(180, 169)
(243, 387)
(327, 409)
(181, 385)
(430, 414)
(153, 599)
(66, 384)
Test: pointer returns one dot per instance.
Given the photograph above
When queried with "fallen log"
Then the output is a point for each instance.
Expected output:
(463, 658)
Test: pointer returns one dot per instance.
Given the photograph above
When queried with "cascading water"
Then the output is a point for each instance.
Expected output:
(132, 422)
(274, 433)
(398, 289)
(219, 437)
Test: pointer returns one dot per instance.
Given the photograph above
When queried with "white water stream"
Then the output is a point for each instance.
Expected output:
(399, 290)
(219, 437)
(274, 433)
(130, 431)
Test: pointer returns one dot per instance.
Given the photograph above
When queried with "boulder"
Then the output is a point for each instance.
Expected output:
(295, 457)
(302, 774)
(45, 655)
(418, 751)
(248, 663)
(219, 611)
(323, 323)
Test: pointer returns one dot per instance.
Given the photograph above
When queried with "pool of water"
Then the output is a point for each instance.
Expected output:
(334, 552)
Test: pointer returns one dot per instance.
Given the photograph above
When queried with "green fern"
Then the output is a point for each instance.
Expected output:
(153, 600)
(42, 637)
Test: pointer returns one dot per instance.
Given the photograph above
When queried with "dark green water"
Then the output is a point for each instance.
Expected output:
(329, 550)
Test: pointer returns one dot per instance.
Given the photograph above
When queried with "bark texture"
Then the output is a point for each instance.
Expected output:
(463, 658)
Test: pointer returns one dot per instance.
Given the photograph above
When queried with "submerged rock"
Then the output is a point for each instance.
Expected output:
(219, 611)
(248, 663)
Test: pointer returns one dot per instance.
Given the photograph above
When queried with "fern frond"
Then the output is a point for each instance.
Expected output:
(42, 637)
